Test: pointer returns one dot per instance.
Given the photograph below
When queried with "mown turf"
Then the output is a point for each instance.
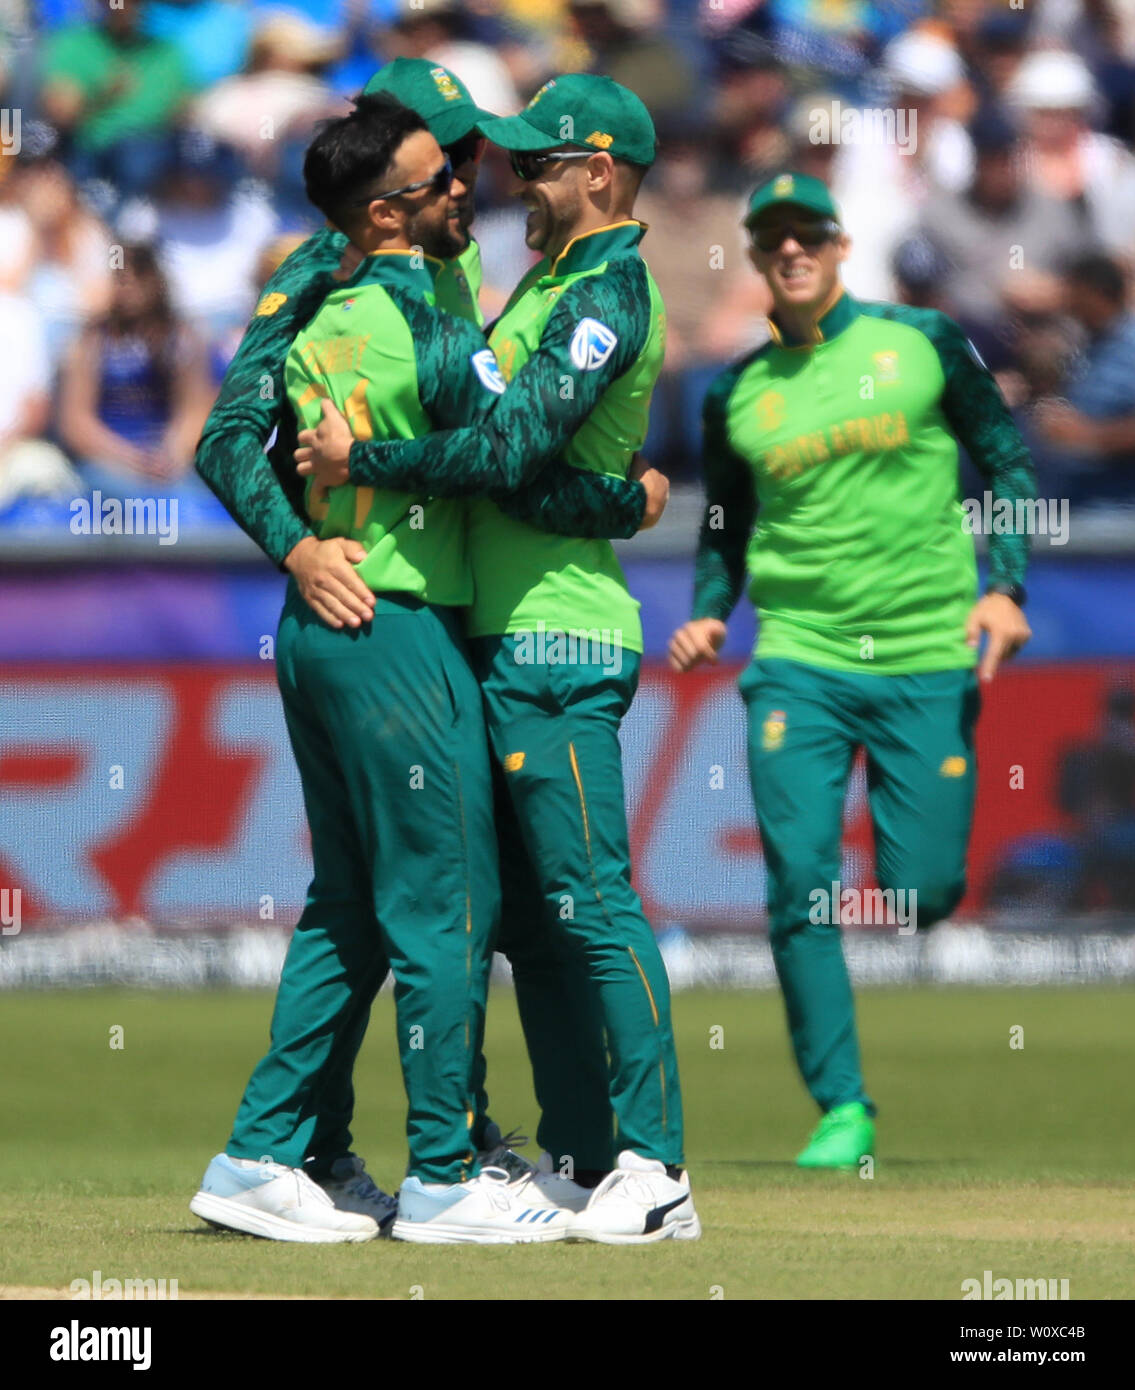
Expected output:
(1019, 1161)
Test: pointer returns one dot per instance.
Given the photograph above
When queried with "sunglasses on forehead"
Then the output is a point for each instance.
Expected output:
(529, 164)
(436, 183)
(809, 233)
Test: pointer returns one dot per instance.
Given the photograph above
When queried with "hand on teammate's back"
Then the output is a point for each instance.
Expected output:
(696, 641)
(325, 576)
(325, 451)
(1006, 626)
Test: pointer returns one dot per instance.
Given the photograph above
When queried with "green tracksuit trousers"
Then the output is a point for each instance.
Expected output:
(805, 726)
(387, 728)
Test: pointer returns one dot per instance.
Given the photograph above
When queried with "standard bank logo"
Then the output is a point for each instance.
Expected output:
(591, 344)
(487, 368)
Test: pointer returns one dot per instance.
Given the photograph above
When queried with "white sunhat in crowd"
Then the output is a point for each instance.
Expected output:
(923, 63)
(1053, 80)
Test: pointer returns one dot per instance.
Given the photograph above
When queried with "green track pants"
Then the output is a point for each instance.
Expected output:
(387, 728)
(805, 725)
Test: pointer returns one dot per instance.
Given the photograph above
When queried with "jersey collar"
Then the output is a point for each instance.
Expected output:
(411, 270)
(589, 249)
(842, 312)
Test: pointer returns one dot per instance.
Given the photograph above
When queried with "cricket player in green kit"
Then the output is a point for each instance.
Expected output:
(831, 473)
(386, 723)
(556, 635)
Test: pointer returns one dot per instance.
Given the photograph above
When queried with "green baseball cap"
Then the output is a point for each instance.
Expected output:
(795, 190)
(436, 94)
(580, 109)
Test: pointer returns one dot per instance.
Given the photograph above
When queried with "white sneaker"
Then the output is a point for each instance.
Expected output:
(351, 1188)
(636, 1204)
(486, 1210)
(274, 1201)
(536, 1183)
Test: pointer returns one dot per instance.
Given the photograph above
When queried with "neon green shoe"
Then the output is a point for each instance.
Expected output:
(844, 1136)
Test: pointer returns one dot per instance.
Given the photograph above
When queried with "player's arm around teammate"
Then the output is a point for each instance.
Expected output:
(557, 637)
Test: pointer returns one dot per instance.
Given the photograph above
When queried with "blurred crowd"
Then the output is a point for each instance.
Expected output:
(982, 153)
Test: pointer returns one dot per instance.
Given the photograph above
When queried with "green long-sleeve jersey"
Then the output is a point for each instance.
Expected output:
(581, 346)
(262, 491)
(831, 475)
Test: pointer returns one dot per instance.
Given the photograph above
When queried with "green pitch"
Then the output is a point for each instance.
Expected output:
(1017, 1160)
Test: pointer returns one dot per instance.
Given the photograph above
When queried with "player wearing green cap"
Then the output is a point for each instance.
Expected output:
(831, 472)
(557, 638)
(565, 498)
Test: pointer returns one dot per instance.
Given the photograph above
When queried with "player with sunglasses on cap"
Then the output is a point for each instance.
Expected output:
(580, 345)
(831, 473)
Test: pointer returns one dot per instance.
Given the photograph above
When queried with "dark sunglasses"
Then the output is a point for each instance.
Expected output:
(441, 182)
(466, 149)
(808, 234)
(528, 164)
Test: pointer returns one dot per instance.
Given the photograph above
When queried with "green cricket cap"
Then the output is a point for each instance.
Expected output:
(580, 109)
(439, 96)
(794, 190)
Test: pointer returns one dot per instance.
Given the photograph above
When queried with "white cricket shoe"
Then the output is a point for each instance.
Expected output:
(486, 1210)
(271, 1200)
(351, 1188)
(536, 1183)
(636, 1204)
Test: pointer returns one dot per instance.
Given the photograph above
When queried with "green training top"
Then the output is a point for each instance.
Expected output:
(582, 347)
(264, 494)
(844, 452)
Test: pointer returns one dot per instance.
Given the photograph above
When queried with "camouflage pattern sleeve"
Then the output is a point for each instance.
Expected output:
(535, 418)
(578, 502)
(459, 383)
(263, 494)
(730, 508)
(977, 414)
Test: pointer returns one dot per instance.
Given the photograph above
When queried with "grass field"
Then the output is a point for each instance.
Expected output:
(1020, 1161)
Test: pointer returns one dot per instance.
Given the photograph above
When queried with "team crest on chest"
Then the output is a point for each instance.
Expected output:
(770, 410)
(886, 368)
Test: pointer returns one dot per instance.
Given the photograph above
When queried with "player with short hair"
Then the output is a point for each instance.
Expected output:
(831, 473)
(556, 634)
(405, 869)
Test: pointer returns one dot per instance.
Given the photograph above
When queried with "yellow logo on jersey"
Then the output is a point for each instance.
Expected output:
(445, 84)
(886, 368)
(773, 731)
(514, 762)
(600, 138)
(770, 408)
(783, 186)
(269, 304)
(953, 767)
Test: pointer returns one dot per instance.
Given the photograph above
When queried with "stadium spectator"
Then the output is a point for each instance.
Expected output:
(1064, 157)
(29, 464)
(1090, 430)
(1004, 241)
(624, 41)
(70, 280)
(115, 92)
(280, 94)
(439, 29)
(888, 164)
(210, 226)
(135, 389)
(1097, 789)
(212, 36)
